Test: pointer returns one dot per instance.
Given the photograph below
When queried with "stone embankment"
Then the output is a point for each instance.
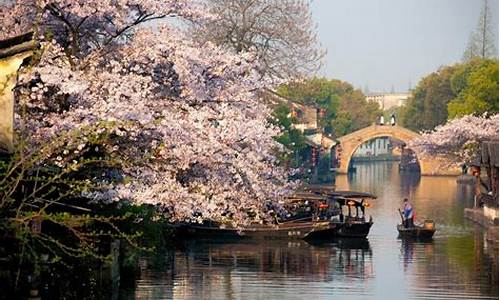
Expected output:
(490, 223)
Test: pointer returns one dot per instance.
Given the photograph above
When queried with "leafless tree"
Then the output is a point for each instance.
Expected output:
(481, 42)
(280, 32)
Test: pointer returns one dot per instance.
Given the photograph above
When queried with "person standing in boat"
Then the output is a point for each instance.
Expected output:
(407, 213)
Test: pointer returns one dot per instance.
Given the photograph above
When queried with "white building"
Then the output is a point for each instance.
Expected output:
(375, 147)
(387, 101)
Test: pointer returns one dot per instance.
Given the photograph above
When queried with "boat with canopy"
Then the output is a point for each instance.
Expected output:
(315, 212)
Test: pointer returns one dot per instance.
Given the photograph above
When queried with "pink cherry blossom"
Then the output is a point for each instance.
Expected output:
(184, 120)
(459, 138)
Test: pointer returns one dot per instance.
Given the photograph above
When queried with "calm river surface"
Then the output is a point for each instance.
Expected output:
(455, 265)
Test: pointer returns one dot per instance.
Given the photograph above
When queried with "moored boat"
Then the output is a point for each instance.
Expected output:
(344, 209)
(288, 230)
(314, 213)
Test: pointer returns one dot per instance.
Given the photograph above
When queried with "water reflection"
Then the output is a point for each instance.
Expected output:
(222, 270)
(407, 250)
(455, 264)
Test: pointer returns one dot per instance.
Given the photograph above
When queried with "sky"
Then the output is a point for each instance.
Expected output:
(391, 44)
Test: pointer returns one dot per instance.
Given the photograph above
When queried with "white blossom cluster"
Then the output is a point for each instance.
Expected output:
(458, 138)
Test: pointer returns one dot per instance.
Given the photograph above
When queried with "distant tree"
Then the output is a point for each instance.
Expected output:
(453, 91)
(280, 33)
(481, 42)
(315, 91)
(428, 104)
(472, 48)
(476, 86)
(354, 113)
(345, 108)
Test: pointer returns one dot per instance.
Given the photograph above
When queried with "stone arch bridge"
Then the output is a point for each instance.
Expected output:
(349, 143)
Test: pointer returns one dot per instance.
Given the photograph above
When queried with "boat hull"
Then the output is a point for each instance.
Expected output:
(292, 230)
(418, 232)
(353, 230)
(309, 230)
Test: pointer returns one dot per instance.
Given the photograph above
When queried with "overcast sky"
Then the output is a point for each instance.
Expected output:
(385, 43)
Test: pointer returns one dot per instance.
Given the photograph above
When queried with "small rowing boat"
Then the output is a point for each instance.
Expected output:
(425, 231)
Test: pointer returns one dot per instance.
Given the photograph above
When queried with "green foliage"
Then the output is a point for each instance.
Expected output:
(452, 91)
(428, 104)
(476, 86)
(281, 117)
(343, 123)
(314, 91)
(291, 138)
(355, 113)
(345, 109)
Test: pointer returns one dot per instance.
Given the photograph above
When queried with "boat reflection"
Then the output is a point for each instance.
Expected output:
(409, 246)
(307, 260)
(206, 269)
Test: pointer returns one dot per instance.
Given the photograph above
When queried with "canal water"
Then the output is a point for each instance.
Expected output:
(455, 265)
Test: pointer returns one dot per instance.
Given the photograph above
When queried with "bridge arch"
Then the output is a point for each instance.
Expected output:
(349, 143)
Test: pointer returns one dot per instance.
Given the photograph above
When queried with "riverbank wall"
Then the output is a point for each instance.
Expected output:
(487, 218)
(485, 211)
(484, 216)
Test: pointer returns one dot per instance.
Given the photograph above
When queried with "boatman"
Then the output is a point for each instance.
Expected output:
(407, 213)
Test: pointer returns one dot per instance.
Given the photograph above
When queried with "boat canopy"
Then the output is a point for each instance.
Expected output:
(316, 187)
(331, 192)
(351, 194)
(343, 198)
(307, 196)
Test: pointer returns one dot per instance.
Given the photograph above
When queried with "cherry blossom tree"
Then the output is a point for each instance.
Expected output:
(164, 120)
(458, 139)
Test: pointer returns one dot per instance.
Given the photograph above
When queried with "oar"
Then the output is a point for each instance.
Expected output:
(401, 215)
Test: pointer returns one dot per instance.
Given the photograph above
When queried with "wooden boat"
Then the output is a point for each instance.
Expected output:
(346, 209)
(314, 213)
(425, 231)
(290, 230)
